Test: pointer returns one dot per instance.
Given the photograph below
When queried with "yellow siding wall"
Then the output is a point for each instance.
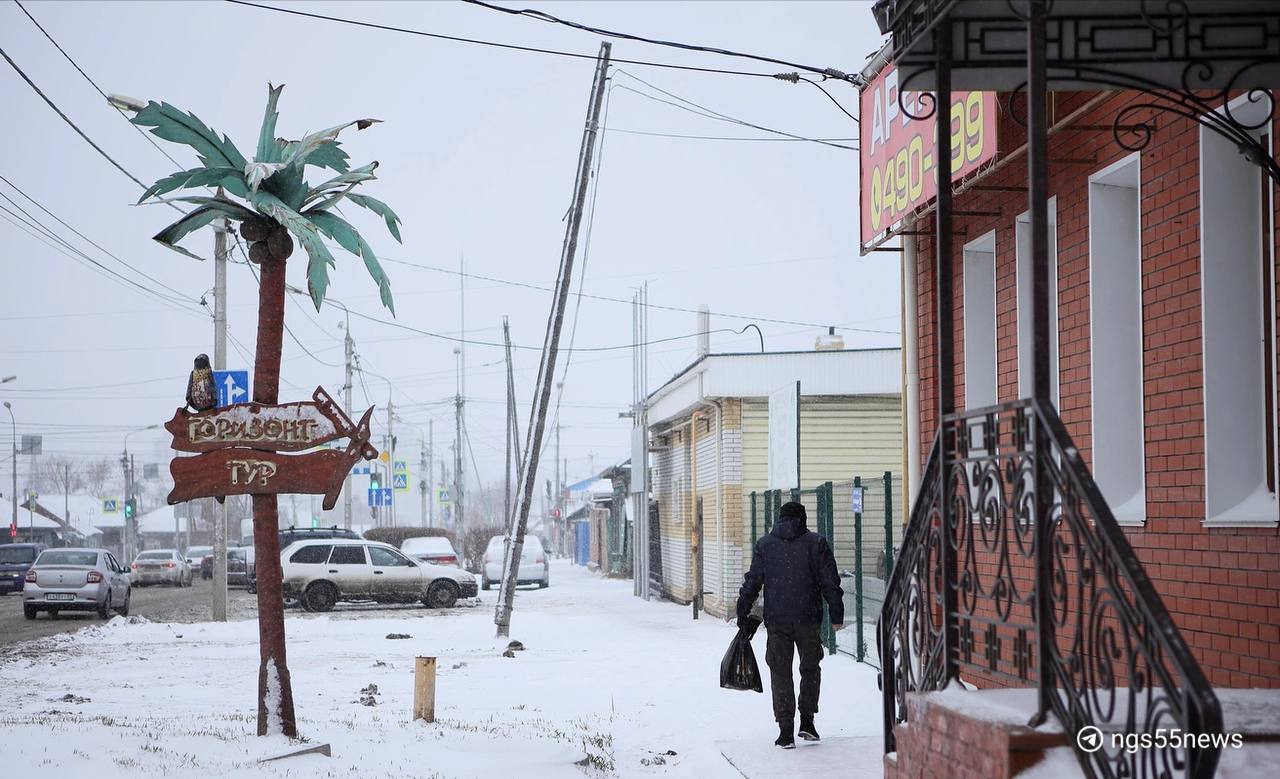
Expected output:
(839, 437)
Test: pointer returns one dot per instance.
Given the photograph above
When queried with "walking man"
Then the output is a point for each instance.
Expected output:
(797, 570)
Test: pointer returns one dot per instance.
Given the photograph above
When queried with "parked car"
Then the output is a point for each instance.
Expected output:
(240, 567)
(195, 554)
(533, 567)
(323, 572)
(15, 561)
(161, 566)
(431, 549)
(76, 580)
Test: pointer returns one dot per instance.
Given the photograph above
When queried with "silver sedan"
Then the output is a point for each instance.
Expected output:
(76, 580)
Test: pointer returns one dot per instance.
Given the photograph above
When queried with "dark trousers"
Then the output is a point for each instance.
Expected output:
(784, 641)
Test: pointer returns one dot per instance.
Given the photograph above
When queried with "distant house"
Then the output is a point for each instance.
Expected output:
(708, 438)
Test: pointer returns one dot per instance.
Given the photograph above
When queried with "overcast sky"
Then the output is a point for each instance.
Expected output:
(477, 154)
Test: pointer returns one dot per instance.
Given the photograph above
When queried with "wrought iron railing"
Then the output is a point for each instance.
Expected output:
(1014, 571)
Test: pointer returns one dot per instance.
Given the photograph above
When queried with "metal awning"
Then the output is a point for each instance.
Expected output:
(1091, 44)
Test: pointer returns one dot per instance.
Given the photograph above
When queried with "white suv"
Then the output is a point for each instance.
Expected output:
(321, 572)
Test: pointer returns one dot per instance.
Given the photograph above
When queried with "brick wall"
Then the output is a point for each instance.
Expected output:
(1222, 585)
(939, 740)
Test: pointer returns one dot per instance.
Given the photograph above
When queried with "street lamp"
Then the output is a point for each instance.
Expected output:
(126, 103)
(8, 379)
(14, 422)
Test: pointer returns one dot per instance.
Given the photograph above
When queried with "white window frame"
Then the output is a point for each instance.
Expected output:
(1024, 291)
(976, 291)
(1242, 506)
(1116, 462)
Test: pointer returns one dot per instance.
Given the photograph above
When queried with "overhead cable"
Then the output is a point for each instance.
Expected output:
(479, 42)
(546, 17)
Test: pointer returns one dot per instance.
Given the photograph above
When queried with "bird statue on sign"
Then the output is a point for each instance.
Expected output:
(202, 393)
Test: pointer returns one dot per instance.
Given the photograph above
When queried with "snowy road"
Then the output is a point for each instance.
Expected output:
(629, 687)
(157, 603)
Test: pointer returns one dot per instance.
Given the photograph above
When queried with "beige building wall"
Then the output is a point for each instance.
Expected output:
(839, 438)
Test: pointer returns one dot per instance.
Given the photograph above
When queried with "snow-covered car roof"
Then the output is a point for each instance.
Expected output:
(420, 544)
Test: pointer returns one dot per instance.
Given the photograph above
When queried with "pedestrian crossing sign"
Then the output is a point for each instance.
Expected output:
(400, 481)
(400, 466)
(443, 497)
(110, 505)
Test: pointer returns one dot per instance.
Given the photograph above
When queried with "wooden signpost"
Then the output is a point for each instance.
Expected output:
(239, 449)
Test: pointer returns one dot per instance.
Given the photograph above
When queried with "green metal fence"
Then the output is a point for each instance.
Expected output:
(857, 517)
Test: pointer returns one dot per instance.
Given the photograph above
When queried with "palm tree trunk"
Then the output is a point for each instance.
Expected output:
(275, 692)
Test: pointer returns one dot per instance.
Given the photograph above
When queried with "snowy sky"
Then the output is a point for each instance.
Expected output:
(477, 154)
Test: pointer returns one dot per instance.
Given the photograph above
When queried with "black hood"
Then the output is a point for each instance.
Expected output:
(790, 528)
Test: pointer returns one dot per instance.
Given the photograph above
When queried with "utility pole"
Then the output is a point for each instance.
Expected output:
(220, 364)
(551, 346)
(426, 475)
(391, 460)
(561, 525)
(459, 517)
(349, 348)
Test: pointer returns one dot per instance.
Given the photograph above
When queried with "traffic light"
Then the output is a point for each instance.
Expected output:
(375, 481)
(130, 508)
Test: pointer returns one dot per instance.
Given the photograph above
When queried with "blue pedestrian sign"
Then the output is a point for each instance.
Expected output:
(233, 387)
(110, 506)
(400, 481)
(380, 497)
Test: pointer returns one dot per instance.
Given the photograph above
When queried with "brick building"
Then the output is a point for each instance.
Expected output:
(1096, 380)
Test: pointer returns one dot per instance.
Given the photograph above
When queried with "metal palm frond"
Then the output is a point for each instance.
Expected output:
(273, 187)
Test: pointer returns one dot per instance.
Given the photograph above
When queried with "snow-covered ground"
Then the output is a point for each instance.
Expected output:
(629, 688)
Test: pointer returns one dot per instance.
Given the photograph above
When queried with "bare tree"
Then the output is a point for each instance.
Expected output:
(98, 476)
(62, 475)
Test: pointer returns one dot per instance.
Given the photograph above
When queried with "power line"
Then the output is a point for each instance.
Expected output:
(479, 42)
(690, 106)
(287, 329)
(526, 285)
(831, 98)
(94, 84)
(89, 240)
(546, 17)
(80, 257)
(718, 137)
(73, 125)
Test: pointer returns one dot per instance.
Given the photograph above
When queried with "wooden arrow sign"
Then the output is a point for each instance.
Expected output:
(286, 427)
(240, 450)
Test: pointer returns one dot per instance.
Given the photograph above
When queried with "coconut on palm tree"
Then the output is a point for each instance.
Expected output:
(276, 205)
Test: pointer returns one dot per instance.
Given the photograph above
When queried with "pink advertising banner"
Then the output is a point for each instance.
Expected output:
(898, 154)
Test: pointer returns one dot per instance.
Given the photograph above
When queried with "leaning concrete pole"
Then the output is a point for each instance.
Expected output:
(551, 344)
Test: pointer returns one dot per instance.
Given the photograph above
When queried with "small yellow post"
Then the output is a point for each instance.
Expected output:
(424, 689)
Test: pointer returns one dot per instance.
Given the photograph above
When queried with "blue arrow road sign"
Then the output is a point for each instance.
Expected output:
(233, 387)
(380, 497)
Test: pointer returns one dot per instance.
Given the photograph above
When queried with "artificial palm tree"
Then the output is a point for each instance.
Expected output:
(278, 206)
(278, 202)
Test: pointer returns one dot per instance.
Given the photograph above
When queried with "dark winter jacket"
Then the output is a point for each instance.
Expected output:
(797, 570)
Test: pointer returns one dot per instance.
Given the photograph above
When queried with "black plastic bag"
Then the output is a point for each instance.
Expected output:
(738, 669)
